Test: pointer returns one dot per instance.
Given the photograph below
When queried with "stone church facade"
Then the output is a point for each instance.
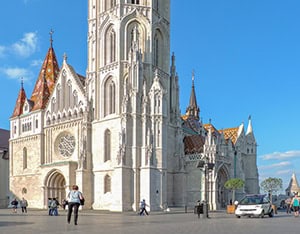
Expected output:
(117, 132)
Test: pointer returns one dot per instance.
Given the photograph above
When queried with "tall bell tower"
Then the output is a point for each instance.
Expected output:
(134, 101)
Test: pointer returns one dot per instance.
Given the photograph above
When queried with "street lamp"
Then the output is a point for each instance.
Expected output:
(206, 166)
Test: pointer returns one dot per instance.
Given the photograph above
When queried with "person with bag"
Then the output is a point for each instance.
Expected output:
(14, 204)
(75, 199)
(54, 207)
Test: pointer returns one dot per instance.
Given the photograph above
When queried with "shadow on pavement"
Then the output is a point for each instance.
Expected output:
(3, 224)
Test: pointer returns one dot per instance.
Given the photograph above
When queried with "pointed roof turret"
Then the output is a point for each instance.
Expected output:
(46, 79)
(293, 185)
(20, 102)
(249, 128)
(193, 110)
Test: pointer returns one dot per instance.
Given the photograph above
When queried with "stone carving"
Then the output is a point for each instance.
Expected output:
(66, 145)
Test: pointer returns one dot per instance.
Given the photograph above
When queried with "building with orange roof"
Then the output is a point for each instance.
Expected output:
(231, 151)
(117, 131)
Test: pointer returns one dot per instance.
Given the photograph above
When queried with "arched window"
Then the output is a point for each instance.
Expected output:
(24, 158)
(75, 98)
(58, 97)
(107, 184)
(110, 46)
(107, 145)
(135, 1)
(109, 97)
(69, 94)
(156, 5)
(157, 49)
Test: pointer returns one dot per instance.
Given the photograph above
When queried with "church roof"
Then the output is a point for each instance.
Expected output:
(193, 144)
(46, 80)
(190, 124)
(211, 127)
(293, 185)
(230, 133)
(193, 109)
(20, 102)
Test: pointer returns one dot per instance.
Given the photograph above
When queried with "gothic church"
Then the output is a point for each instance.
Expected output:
(117, 132)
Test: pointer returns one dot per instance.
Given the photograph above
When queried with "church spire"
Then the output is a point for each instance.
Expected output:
(193, 109)
(46, 79)
(249, 128)
(20, 101)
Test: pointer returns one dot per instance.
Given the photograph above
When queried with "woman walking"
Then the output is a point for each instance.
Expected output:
(296, 203)
(74, 198)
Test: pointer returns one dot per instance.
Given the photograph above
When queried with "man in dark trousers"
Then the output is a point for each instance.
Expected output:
(143, 207)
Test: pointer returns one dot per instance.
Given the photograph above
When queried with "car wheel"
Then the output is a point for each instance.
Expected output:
(271, 214)
(262, 214)
(238, 216)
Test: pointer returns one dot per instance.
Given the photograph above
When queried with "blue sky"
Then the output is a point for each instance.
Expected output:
(245, 55)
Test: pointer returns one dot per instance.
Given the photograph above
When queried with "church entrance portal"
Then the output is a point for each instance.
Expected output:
(55, 186)
(222, 192)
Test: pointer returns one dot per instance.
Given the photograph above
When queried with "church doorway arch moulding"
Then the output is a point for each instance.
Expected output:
(223, 194)
(55, 186)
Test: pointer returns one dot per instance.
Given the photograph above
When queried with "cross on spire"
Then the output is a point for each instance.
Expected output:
(193, 77)
(51, 40)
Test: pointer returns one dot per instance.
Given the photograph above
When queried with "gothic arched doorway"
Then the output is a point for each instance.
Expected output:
(222, 196)
(55, 186)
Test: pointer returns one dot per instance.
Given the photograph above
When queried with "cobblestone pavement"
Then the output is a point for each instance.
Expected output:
(37, 221)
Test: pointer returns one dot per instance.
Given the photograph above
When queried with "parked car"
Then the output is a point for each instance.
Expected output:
(257, 205)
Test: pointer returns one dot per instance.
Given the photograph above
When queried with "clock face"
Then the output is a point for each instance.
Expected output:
(66, 144)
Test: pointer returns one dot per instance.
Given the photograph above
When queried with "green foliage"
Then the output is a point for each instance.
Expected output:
(271, 184)
(234, 183)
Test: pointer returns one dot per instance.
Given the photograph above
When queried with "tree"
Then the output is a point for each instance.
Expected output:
(271, 185)
(234, 184)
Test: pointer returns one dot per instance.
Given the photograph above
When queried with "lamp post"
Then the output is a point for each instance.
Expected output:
(206, 166)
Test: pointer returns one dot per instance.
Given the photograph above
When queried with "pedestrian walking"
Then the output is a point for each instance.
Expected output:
(54, 207)
(14, 204)
(49, 206)
(143, 207)
(199, 208)
(74, 200)
(64, 203)
(295, 203)
(24, 204)
(288, 205)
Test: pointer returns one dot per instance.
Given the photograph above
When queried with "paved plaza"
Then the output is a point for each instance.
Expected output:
(176, 221)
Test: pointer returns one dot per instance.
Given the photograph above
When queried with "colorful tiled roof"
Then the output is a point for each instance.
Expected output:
(193, 144)
(212, 128)
(19, 103)
(46, 81)
(230, 133)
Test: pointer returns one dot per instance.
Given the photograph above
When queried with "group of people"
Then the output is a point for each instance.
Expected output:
(73, 201)
(53, 205)
(293, 203)
(23, 204)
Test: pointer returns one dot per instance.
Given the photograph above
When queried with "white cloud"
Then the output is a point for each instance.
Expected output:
(17, 73)
(282, 155)
(27, 45)
(285, 172)
(2, 50)
(36, 63)
(275, 165)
